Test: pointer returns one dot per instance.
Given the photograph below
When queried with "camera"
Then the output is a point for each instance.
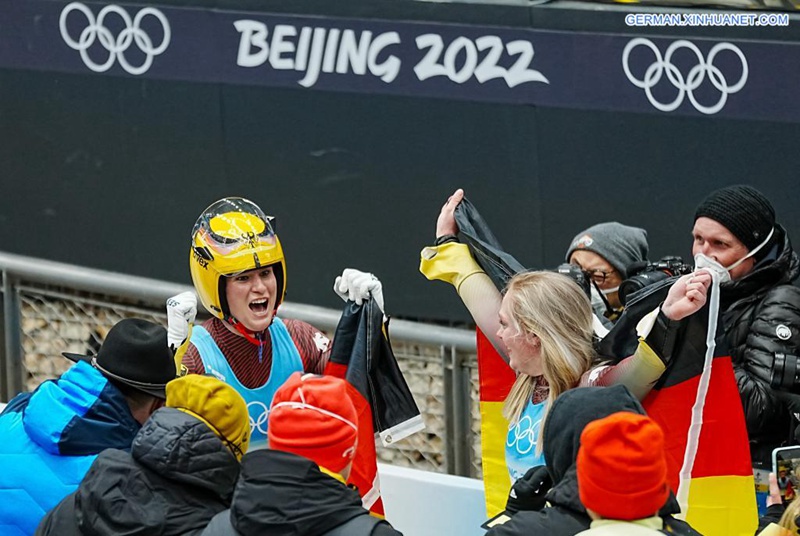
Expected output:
(644, 274)
(576, 274)
(785, 373)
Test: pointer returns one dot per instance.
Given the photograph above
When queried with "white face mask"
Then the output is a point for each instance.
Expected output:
(608, 291)
(702, 261)
(600, 304)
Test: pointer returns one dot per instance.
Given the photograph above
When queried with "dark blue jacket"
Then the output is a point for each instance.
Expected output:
(49, 438)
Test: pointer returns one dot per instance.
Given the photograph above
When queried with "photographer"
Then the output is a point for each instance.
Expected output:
(604, 252)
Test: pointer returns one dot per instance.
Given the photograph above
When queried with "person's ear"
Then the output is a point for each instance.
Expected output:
(534, 340)
(158, 403)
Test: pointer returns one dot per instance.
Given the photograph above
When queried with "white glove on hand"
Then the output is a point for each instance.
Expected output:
(357, 286)
(181, 310)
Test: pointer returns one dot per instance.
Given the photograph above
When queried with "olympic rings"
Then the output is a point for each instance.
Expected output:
(116, 47)
(522, 436)
(258, 413)
(694, 78)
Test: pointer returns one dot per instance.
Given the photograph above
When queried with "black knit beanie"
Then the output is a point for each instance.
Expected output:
(743, 210)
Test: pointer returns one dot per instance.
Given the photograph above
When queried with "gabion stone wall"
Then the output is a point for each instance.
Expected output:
(422, 369)
(59, 320)
(55, 322)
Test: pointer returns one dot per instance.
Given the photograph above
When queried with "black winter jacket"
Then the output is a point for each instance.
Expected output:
(761, 318)
(565, 515)
(281, 494)
(176, 478)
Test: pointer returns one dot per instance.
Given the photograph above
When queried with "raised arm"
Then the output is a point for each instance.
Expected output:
(657, 333)
(450, 261)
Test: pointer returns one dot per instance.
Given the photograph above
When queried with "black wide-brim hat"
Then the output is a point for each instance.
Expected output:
(135, 353)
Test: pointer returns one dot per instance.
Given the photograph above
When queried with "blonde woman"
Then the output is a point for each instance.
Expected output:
(546, 333)
(543, 327)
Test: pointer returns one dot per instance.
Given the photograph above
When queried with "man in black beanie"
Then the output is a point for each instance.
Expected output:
(759, 308)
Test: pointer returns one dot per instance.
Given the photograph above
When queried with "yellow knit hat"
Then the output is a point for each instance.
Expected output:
(215, 403)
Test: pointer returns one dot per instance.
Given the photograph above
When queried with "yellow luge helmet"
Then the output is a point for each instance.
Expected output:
(232, 236)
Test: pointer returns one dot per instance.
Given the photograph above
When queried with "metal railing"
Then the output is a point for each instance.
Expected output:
(51, 307)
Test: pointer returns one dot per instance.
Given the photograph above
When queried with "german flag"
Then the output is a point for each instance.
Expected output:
(718, 494)
(717, 490)
(496, 379)
(697, 404)
(362, 355)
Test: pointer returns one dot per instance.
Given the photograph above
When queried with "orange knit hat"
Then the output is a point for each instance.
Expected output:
(622, 471)
(314, 417)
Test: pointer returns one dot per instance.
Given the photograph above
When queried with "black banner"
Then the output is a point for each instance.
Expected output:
(696, 76)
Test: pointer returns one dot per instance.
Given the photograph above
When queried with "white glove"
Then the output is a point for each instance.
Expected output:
(181, 310)
(357, 286)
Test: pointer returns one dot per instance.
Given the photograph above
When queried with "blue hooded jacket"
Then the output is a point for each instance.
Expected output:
(49, 438)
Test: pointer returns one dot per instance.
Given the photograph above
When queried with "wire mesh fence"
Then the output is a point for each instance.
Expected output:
(57, 319)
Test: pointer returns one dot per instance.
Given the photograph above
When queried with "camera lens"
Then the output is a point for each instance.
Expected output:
(636, 283)
(785, 373)
(777, 372)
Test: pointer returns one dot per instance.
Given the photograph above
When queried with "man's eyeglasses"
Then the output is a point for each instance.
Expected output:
(598, 276)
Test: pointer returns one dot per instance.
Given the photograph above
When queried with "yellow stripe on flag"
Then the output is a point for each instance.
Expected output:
(722, 506)
(497, 483)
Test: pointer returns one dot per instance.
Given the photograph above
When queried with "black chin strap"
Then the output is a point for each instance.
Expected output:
(609, 310)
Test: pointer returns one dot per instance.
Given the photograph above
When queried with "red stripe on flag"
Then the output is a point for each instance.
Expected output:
(337, 369)
(724, 445)
(496, 377)
(723, 448)
(365, 466)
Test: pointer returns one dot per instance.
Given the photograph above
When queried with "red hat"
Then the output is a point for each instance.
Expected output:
(314, 417)
(622, 471)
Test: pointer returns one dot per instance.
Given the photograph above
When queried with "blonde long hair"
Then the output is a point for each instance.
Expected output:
(555, 309)
(789, 518)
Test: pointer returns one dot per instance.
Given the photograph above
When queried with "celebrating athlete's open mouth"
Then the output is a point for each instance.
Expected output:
(259, 306)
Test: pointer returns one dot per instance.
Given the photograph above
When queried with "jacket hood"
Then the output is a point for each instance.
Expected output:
(79, 414)
(177, 476)
(117, 498)
(568, 416)
(783, 268)
(282, 494)
(183, 449)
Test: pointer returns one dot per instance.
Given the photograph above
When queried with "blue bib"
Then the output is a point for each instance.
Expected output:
(522, 439)
(285, 360)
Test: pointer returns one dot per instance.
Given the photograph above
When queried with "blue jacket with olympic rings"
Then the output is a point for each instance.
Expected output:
(49, 438)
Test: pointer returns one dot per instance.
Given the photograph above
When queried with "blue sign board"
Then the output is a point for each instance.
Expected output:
(743, 79)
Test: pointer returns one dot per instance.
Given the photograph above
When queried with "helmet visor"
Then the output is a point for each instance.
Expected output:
(233, 224)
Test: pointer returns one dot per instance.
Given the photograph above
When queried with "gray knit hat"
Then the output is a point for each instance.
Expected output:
(621, 245)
